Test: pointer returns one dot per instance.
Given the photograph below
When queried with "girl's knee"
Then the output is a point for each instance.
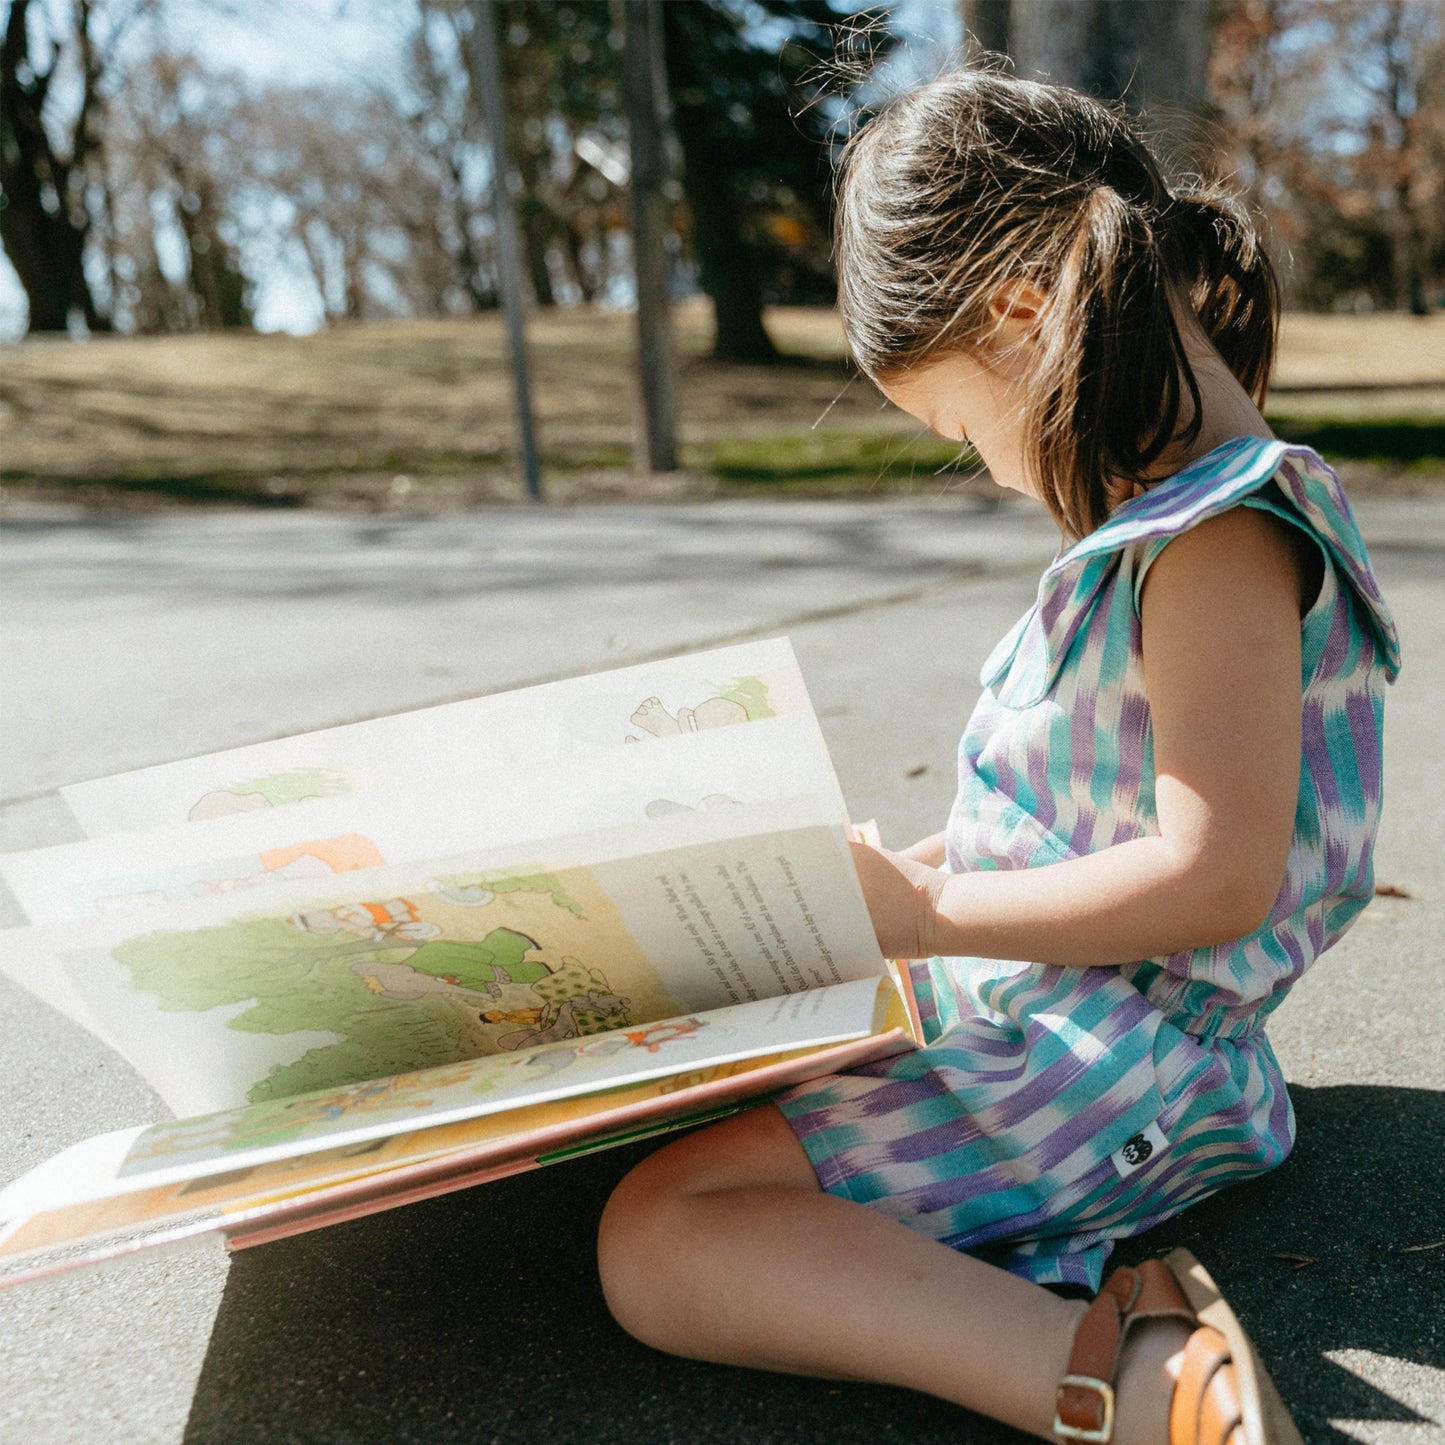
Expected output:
(650, 1242)
(646, 1211)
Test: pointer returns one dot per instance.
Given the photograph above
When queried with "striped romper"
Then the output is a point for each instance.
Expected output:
(1057, 1109)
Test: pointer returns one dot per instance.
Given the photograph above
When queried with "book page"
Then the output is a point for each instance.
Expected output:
(656, 705)
(486, 808)
(339, 1121)
(287, 1196)
(360, 976)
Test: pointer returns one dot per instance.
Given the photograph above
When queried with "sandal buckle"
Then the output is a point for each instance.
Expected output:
(1104, 1431)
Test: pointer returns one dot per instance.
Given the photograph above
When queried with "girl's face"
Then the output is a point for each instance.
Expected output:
(972, 397)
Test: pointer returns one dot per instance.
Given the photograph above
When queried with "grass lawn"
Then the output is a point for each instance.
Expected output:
(417, 414)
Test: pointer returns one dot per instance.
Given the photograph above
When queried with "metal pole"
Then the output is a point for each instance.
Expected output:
(644, 80)
(486, 73)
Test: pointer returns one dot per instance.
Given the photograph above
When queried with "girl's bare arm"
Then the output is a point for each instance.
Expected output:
(1221, 647)
(929, 851)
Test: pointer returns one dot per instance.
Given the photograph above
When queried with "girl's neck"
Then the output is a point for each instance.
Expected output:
(1226, 410)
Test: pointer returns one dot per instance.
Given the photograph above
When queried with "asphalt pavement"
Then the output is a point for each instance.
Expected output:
(129, 640)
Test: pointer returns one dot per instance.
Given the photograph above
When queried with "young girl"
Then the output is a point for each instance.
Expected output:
(1167, 801)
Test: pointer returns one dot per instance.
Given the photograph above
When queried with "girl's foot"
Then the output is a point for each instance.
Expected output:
(1180, 1329)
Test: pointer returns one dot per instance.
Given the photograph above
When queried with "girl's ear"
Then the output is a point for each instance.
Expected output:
(1015, 307)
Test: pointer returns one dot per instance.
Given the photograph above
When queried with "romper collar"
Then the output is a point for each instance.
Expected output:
(1023, 667)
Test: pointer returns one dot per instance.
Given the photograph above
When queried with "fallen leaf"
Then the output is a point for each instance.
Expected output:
(917, 771)
(1420, 1248)
(1298, 1261)
(1391, 890)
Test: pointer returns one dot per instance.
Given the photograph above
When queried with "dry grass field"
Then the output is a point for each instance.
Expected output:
(417, 415)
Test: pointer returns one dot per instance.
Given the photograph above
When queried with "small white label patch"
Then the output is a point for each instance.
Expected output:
(1135, 1153)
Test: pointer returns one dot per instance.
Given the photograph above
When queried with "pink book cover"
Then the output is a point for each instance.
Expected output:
(504, 1148)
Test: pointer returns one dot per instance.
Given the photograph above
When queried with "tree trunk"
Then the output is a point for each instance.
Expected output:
(727, 263)
(535, 239)
(45, 243)
(656, 355)
(1152, 54)
(987, 21)
(730, 278)
(582, 275)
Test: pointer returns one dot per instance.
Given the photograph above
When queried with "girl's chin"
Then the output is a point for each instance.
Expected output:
(1012, 484)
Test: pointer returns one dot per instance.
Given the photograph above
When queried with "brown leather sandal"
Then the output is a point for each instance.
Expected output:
(1222, 1396)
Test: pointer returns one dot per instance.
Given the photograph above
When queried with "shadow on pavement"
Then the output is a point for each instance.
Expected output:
(478, 1317)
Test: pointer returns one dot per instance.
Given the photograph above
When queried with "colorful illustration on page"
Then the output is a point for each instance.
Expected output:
(275, 790)
(407, 1098)
(724, 703)
(469, 966)
(319, 858)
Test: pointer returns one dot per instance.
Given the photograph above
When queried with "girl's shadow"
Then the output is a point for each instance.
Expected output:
(477, 1317)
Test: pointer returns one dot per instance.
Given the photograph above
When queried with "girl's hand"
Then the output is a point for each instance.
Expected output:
(902, 897)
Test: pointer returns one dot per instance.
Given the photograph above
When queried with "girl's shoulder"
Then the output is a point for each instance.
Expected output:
(1292, 482)
(1215, 483)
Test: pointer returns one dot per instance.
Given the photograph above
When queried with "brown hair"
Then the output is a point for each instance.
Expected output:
(979, 180)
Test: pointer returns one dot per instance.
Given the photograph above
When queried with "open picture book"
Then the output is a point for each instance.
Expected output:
(380, 962)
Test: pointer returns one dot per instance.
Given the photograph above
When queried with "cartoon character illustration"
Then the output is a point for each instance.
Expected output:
(295, 785)
(649, 1039)
(469, 895)
(665, 807)
(485, 966)
(399, 980)
(218, 877)
(480, 969)
(307, 865)
(531, 1016)
(224, 801)
(397, 918)
(566, 1020)
(654, 1036)
(316, 859)
(715, 712)
(556, 1061)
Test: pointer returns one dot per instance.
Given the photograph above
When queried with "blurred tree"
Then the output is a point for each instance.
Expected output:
(172, 162)
(358, 200)
(560, 61)
(749, 86)
(560, 73)
(50, 148)
(1152, 54)
(1402, 46)
(746, 81)
(441, 118)
(1336, 110)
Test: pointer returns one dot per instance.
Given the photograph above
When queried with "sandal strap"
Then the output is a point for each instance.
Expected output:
(1084, 1405)
(1206, 1353)
(1221, 1421)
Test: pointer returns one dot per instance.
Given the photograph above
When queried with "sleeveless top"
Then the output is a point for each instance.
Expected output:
(1053, 1109)
(1057, 760)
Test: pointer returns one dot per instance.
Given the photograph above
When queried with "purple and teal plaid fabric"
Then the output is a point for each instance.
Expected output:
(1055, 1109)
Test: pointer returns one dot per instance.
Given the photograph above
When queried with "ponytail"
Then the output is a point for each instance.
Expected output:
(978, 182)
(1233, 285)
(1108, 315)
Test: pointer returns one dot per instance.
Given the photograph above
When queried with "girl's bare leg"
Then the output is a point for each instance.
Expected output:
(723, 1247)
